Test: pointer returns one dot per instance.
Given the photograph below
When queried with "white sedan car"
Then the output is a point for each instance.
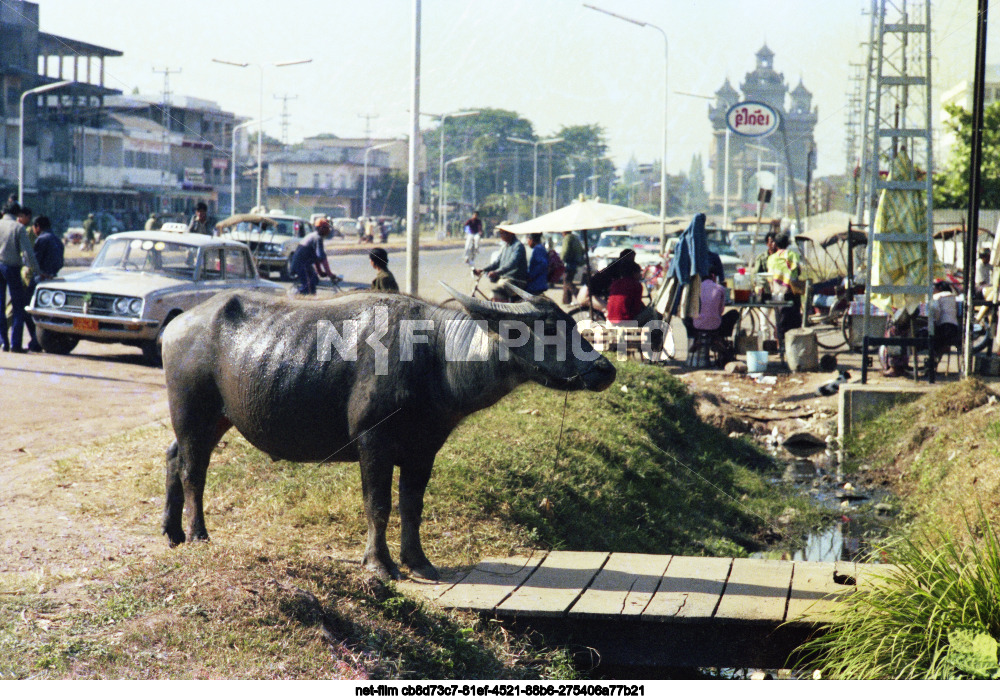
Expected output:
(138, 283)
(612, 243)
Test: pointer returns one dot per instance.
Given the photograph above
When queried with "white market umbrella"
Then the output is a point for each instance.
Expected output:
(582, 215)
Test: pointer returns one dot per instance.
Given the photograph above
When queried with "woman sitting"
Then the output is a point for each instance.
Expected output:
(625, 293)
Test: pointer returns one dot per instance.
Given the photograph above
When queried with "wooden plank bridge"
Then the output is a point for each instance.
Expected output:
(657, 610)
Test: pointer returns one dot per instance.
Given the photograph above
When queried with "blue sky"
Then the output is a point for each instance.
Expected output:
(553, 61)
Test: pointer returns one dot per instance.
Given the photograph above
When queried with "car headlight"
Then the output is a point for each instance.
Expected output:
(45, 297)
(121, 306)
(135, 307)
(58, 299)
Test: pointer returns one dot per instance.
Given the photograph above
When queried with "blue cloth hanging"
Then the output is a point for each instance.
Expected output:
(691, 254)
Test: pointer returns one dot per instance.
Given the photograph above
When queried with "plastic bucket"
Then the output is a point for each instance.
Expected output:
(756, 361)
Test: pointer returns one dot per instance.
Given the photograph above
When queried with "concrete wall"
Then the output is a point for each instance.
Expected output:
(858, 402)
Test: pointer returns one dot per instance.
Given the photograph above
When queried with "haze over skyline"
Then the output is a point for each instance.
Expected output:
(553, 62)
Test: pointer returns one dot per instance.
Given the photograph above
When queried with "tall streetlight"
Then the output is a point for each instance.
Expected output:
(364, 193)
(555, 187)
(534, 179)
(260, 116)
(441, 118)
(20, 131)
(725, 176)
(232, 205)
(666, 63)
(444, 189)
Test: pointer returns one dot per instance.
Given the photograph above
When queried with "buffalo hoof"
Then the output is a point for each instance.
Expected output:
(385, 572)
(175, 536)
(198, 536)
(426, 571)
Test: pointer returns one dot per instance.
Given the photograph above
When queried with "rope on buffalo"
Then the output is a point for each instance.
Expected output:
(555, 463)
(555, 460)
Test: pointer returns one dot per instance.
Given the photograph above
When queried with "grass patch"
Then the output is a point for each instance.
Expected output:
(937, 616)
(278, 593)
(939, 453)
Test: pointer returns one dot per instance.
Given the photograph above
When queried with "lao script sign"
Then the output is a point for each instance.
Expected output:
(752, 119)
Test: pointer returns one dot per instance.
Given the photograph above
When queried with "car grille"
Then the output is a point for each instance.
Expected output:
(97, 304)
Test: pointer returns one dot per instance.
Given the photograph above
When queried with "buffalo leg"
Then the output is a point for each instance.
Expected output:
(413, 477)
(376, 486)
(173, 510)
(187, 467)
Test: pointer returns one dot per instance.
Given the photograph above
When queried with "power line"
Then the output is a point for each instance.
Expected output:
(167, 96)
(284, 115)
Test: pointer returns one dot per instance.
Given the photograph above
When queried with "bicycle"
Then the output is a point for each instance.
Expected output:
(453, 303)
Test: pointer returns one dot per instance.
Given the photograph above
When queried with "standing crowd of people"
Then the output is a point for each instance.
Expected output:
(29, 253)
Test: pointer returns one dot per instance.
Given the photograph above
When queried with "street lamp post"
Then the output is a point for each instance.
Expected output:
(444, 182)
(555, 188)
(232, 174)
(441, 118)
(725, 169)
(534, 179)
(666, 63)
(260, 115)
(20, 131)
(364, 193)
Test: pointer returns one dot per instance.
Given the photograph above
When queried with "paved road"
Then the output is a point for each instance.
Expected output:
(435, 266)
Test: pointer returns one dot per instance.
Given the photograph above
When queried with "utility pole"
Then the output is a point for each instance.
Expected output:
(165, 108)
(284, 115)
(368, 125)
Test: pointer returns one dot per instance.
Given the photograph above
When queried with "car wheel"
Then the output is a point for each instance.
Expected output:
(152, 350)
(285, 274)
(56, 343)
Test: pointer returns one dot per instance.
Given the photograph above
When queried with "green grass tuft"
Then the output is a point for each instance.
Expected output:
(936, 616)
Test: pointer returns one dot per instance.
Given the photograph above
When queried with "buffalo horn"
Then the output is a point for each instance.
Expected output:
(521, 293)
(493, 308)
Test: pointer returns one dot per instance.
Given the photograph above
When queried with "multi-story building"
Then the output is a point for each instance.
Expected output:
(87, 148)
(788, 153)
(327, 175)
(184, 149)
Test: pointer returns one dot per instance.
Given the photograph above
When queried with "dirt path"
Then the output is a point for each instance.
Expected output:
(52, 405)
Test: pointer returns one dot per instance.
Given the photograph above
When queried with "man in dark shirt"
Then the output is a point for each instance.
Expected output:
(384, 280)
(201, 222)
(49, 249)
(309, 260)
(49, 252)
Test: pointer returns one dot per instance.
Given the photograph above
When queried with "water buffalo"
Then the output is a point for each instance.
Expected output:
(380, 379)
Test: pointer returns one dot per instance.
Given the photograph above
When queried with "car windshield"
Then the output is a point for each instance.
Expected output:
(145, 255)
(721, 247)
(616, 240)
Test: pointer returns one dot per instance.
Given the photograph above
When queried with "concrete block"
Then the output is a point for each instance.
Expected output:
(858, 402)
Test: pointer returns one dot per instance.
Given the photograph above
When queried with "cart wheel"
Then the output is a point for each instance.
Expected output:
(841, 330)
(583, 313)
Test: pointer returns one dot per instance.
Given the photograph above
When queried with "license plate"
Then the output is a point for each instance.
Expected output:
(85, 324)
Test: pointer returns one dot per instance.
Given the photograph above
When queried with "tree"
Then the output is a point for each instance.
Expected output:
(583, 154)
(494, 159)
(387, 194)
(951, 185)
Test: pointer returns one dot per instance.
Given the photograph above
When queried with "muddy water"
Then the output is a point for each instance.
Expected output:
(855, 520)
